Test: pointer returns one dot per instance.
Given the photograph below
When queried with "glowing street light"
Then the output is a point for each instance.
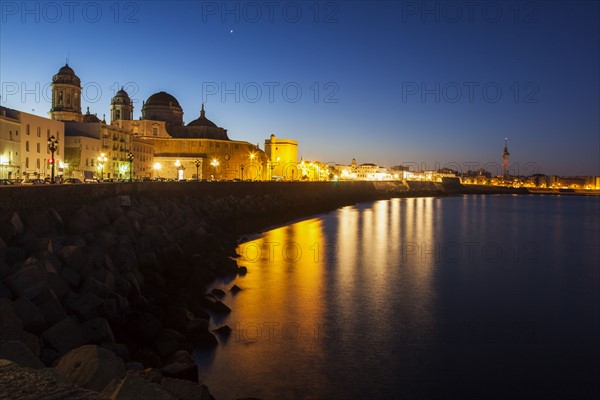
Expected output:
(252, 156)
(215, 164)
(52, 146)
(197, 163)
(130, 159)
(101, 161)
(157, 167)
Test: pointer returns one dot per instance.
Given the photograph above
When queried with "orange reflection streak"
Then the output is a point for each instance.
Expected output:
(283, 315)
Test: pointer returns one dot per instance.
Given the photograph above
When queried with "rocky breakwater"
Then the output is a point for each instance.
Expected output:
(107, 300)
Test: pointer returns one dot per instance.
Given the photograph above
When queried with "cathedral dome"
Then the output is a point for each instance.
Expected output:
(66, 75)
(202, 120)
(162, 106)
(162, 99)
(121, 98)
(66, 70)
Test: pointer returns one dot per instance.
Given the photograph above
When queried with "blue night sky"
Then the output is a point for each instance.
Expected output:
(419, 83)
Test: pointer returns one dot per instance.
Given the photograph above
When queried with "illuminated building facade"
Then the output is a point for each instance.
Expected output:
(177, 147)
(35, 156)
(10, 144)
(282, 155)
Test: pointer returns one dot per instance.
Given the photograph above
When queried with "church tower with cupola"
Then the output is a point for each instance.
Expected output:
(121, 107)
(66, 96)
(505, 155)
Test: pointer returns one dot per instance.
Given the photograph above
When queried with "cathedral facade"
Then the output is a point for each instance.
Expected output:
(198, 150)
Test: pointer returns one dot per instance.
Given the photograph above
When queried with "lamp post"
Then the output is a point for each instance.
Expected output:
(215, 164)
(242, 167)
(157, 166)
(52, 146)
(180, 169)
(197, 163)
(252, 155)
(102, 160)
(130, 159)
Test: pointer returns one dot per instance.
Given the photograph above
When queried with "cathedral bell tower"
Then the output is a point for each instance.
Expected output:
(121, 107)
(66, 96)
(505, 155)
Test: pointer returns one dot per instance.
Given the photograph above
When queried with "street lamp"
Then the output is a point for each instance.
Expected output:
(215, 164)
(180, 169)
(157, 166)
(242, 167)
(252, 155)
(101, 160)
(197, 163)
(130, 159)
(52, 146)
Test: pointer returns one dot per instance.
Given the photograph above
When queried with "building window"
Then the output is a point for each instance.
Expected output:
(37, 164)
(48, 134)
(27, 162)
(39, 132)
(27, 145)
(37, 147)
(9, 135)
(27, 129)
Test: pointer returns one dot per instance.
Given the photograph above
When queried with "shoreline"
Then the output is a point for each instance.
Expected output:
(133, 280)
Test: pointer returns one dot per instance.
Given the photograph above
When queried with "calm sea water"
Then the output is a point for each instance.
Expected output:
(472, 297)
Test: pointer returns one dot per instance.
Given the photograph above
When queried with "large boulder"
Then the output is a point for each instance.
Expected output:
(23, 383)
(91, 367)
(199, 334)
(50, 307)
(135, 387)
(64, 336)
(27, 282)
(20, 354)
(181, 365)
(97, 330)
(72, 256)
(33, 319)
(186, 390)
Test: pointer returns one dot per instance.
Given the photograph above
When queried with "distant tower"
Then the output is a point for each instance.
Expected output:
(505, 155)
(121, 107)
(66, 96)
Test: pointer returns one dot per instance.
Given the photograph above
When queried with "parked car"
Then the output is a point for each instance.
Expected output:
(72, 180)
(5, 182)
(33, 182)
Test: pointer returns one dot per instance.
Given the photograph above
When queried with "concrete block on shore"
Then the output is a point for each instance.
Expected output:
(27, 282)
(135, 387)
(91, 367)
(72, 257)
(97, 331)
(23, 383)
(18, 353)
(31, 316)
(17, 223)
(50, 307)
(64, 336)
(186, 390)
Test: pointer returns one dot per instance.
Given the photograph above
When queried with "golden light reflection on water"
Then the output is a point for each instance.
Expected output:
(313, 287)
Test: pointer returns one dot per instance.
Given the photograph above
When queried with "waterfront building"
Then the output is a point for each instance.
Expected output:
(10, 144)
(178, 147)
(505, 155)
(282, 155)
(365, 172)
(36, 159)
